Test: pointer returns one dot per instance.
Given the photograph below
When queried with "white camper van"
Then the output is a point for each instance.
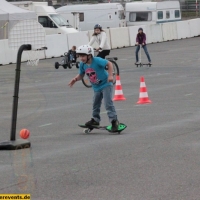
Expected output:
(53, 22)
(109, 15)
(141, 13)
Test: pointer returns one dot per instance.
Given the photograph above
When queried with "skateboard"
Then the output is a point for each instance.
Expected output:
(141, 64)
(88, 129)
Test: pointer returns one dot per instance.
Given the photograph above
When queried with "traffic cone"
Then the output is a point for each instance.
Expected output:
(143, 97)
(118, 91)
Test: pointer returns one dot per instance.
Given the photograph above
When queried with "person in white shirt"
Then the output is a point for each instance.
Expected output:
(100, 37)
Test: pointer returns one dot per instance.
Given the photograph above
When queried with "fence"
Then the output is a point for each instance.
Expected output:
(190, 9)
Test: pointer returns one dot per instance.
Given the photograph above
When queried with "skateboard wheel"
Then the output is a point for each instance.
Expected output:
(86, 131)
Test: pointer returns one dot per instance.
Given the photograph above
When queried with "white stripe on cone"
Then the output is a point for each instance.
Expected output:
(143, 94)
(118, 92)
(118, 82)
(142, 84)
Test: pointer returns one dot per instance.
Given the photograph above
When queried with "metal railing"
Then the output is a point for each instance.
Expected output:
(190, 9)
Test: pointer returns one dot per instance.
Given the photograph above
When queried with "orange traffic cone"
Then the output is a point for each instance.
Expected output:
(143, 97)
(118, 91)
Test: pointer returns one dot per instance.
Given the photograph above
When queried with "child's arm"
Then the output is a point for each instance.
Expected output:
(110, 72)
(144, 39)
(76, 78)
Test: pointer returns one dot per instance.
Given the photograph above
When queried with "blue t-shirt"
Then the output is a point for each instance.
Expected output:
(96, 73)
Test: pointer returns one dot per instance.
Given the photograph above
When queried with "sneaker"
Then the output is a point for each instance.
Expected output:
(137, 63)
(92, 122)
(150, 63)
(115, 124)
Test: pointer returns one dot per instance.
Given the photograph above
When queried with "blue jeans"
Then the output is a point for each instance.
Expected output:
(106, 94)
(145, 50)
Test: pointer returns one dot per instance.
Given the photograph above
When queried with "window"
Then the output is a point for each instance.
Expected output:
(160, 14)
(177, 13)
(81, 17)
(132, 17)
(167, 14)
(59, 20)
(46, 22)
(140, 16)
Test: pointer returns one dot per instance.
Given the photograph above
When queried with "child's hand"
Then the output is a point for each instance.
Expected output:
(71, 83)
(110, 78)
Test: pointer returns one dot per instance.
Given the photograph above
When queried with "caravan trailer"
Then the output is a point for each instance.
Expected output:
(142, 13)
(109, 15)
(52, 22)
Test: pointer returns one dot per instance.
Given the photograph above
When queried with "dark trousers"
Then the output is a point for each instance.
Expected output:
(145, 50)
(103, 53)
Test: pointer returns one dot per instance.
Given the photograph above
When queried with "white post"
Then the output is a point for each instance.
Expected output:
(196, 8)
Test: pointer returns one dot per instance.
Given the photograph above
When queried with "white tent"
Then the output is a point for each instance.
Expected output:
(14, 12)
(3, 15)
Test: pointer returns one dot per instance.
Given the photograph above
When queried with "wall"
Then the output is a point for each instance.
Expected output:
(117, 37)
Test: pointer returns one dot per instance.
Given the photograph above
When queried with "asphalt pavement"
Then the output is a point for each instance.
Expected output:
(157, 157)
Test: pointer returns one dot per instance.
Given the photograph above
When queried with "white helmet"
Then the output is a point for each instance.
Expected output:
(85, 49)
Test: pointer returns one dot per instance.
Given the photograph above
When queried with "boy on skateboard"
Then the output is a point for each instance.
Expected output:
(141, 40)
(102, 84)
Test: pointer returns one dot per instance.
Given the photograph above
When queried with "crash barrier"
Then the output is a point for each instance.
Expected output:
(95, 45)
(154, 33)
(169, 31)
(118, 38)
(77, 39)
(183, 30)
(3, 59)
(7, 56)
(56, 45)
(194, 26)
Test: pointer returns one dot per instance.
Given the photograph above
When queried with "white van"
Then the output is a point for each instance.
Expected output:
(141, 13)
(53, 22)
(109, 15)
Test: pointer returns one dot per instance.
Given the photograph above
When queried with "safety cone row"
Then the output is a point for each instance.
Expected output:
(118, 90)
(143, 96)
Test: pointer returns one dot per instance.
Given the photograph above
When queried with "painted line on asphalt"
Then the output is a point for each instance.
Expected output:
(45, 125)
(188, 94)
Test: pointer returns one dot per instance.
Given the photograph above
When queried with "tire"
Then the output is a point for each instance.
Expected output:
(86, 82)
(115, 70)
(65, 66)
(57, 65)
(69, 64)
